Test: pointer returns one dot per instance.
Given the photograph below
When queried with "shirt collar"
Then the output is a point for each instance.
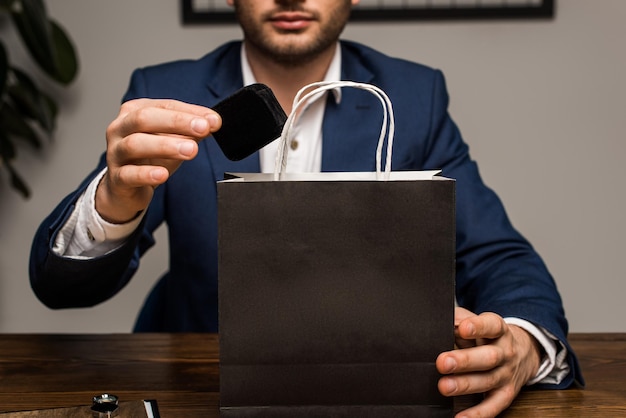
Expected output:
(332, 74)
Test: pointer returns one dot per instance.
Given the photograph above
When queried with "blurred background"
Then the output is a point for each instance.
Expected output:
(542, 104)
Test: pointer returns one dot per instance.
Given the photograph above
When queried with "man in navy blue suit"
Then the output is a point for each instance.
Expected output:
(510, 326)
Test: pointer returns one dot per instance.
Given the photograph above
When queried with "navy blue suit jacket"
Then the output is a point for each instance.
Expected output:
(497, 269)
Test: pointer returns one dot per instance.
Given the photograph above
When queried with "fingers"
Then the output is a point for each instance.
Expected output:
(155, 133)
(475, 359)
(461, 314)
(134, 176)
(165, 116)
(473, 370)
(495, 359)
(146, 143)
(486, 325)
(166, 104)
(470, 384)
(148, 146)
(481, 371)
(467, 384)
(146, 159)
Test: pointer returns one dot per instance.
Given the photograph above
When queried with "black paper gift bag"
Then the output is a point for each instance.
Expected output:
(336, 293)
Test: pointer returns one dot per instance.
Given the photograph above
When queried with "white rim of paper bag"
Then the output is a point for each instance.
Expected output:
(387, 129)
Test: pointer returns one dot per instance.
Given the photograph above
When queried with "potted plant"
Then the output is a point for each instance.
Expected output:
(27, 113)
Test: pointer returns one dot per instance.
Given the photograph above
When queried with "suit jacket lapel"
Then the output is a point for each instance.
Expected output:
(351, 128)
(223, 76)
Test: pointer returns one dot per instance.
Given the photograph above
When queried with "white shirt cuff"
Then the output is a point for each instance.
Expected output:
(85, 234)
(554, 367)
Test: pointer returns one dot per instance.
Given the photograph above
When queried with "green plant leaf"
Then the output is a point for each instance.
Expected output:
(30, 101)
(33, 26)
(23, 104)
(47, 42)
(5, 5)
(7, 149)
(16, 181)
(13, 123)
(7, 153)
(66, 59)
(52, 108)
(4, 69)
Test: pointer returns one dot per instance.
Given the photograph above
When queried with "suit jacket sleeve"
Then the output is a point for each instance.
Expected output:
(62, 282)
(497, 268)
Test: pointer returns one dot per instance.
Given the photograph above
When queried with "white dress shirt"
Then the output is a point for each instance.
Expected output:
(86, 234)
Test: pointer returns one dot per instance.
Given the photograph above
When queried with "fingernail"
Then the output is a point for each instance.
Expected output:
(186, 148)
(157, 175)
(213, 119)
(471, 330)
(451, 386)
(450, 364)
(199, 125)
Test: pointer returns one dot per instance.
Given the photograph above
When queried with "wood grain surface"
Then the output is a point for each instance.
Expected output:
(181, 371)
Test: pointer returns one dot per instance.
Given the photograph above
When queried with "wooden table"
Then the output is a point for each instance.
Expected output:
(181, 372)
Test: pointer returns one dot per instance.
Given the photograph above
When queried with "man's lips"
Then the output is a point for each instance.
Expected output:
(291, 20)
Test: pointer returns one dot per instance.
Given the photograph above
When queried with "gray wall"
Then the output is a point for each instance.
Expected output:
(542, 105)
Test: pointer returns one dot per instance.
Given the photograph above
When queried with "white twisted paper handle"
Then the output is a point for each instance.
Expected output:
(387, 130)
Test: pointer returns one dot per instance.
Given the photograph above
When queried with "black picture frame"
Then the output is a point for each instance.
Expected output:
(542, 9)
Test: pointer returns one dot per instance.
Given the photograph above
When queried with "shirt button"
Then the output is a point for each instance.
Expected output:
(294, 144)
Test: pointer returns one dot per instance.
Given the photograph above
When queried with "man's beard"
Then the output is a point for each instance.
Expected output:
(292, 55)
(297, 52)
